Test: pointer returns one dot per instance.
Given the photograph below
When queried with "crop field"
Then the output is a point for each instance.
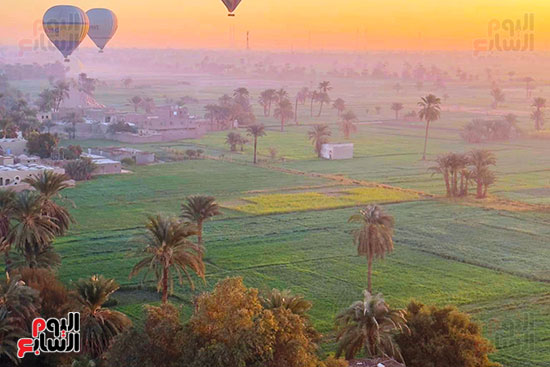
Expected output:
(285, 221)
(285, 203)
(445, 253)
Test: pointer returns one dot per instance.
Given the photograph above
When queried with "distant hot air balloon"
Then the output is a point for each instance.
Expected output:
(66, 26)
(231, 6)
(103, 25)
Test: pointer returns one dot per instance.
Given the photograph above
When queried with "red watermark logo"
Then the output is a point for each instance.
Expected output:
(52, 336)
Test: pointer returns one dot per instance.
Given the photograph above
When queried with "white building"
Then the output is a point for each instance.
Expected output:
(12, 175)
(337, 151)
(105, 166)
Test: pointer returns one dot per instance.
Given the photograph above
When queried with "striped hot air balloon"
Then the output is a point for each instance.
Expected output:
(66, 26)
(103, 25)
(231, 6)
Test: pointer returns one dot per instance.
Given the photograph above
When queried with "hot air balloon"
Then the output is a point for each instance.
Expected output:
(66, 26)
(103, 25)
(231, 6)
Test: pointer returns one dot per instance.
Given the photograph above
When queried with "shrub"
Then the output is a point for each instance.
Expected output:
(81, 169)
(42, 145)
(442, 337)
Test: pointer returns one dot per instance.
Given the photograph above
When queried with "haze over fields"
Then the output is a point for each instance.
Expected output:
(448, 139)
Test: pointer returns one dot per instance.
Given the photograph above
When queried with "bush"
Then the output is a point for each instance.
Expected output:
(71, 152)
(81, 169)
(479, 131)
(128, 161)
(42, 145)
(442, 337)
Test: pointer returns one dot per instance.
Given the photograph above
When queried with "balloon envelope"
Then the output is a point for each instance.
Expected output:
(66, 26)
(103, 25)
(231, 5)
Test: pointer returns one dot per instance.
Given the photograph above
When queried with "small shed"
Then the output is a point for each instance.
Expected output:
(337, 151)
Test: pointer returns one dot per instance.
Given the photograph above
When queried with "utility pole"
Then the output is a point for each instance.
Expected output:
(248, 40)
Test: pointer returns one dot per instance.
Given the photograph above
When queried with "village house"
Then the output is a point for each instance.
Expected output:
(12, 175)
(15, 146)
(337, 151)
(105, 166)
(119, 154)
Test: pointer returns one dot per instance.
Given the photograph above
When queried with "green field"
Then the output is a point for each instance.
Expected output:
(445, 253)
(284, 222)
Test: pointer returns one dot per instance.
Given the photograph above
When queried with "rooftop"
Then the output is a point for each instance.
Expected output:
(24, 167)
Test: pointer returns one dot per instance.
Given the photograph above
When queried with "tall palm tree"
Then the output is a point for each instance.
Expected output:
(442, 167)
(148, 104)
(301, 98)
(10, 333)
(339, 105)
(99, 325)
(256, 131)
(538, 115)
(297, 304)
(32, 231)
(430, 110)
(73, 118)
(199, 209)
(374, 237)
(396, 106)
(347, 124)
(319, 135)
(369, 325)
(281, 95)
(314, 96)
(136, 101)
(7, 198)
(322, 98)
(481, 160)
(170, 250)
(267, 97)
(49, 184)
(284, 112)
(61, 92)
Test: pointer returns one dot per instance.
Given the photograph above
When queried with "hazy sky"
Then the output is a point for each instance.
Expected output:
(285, 24)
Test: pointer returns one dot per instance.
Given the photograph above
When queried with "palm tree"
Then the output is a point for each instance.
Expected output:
(339, 105)
(314, 96)
(10, 333)
(199, 209)
(538, 115)
(99, 325)
(301, 97)
(297, 304)
(369, 325)
(528, 87)
(21, 301)
(73, 118)
(267, 97)
(347, 124)
(443, 167)
(374, 237)
(498, 96)
(397, 87)
(256, 131)
(233, 140)
(32, 231)
(148, 104)
(169, 249)
(49, 184)
(430, 110)
(319, 135)
(322, 98)
(281, 95)
(396, 106)
(136, 101)
(284, 111)
(481, 160)
(61, 91)
(7, 198)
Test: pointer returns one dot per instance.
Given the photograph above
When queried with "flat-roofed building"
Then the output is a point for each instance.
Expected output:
(105, 166)
(337, 151)
(15, 146)
(12, 175)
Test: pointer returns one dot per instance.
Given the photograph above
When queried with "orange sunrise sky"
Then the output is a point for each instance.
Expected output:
(286, 24)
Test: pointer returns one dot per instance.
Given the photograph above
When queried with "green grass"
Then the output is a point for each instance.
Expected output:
(445, 253)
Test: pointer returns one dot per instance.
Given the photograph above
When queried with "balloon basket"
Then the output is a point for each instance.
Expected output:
(67, 59)
(230, 15)
(100, 51)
